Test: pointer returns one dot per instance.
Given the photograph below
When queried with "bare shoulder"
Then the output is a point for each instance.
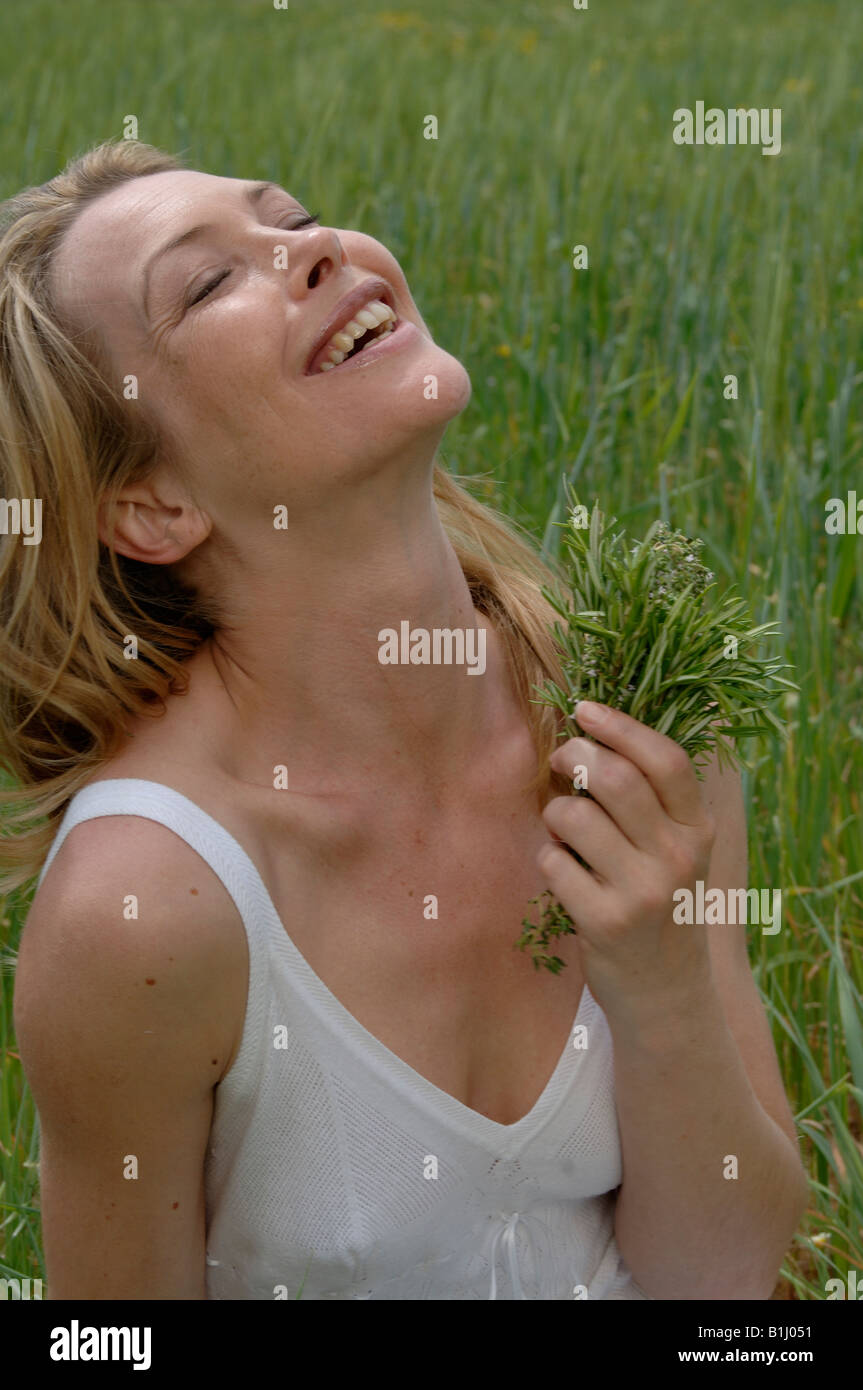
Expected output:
(130, 926)
(129, 999)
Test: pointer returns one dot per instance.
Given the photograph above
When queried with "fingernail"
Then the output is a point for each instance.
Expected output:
(591, 712)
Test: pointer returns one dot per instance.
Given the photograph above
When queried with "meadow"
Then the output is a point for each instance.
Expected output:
(554, 130)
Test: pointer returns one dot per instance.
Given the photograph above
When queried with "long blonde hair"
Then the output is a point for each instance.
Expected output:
(68, 602)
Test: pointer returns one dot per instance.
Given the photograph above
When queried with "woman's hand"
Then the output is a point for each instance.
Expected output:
(644, 834)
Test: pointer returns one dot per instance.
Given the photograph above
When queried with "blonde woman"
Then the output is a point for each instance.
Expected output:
(268, 1002)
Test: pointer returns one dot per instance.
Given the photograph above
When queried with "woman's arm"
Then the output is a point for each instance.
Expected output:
(122, 1070)
(713, 1187)
(705, 1086)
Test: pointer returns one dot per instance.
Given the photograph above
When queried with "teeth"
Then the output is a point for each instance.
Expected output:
(372, 315)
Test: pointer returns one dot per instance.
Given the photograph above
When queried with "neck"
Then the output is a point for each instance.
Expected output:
(299, 661)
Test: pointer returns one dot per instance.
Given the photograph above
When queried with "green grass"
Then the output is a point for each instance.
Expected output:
(554, 130)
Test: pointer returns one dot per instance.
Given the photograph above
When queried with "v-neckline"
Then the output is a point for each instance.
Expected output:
(338, 1014)
(413, 1081)
(341, 1016)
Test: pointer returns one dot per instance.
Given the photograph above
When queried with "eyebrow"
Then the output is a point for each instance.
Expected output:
(251, 195)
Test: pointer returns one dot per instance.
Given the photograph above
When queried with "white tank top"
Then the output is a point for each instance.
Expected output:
(334, 1170)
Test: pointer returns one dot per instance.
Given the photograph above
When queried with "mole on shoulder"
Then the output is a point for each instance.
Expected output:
(149, 982)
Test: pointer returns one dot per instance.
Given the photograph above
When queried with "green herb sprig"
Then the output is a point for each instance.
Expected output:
(645, 632)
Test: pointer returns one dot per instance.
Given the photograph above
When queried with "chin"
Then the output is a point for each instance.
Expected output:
(452, 384)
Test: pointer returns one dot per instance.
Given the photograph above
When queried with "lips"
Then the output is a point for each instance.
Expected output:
(343, 312)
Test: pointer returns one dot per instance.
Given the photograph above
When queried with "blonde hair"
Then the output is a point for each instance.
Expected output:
(66, 604)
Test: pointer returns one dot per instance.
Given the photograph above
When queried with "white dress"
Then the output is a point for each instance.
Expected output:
(334, 1170)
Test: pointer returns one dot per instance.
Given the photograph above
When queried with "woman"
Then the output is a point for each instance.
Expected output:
(267, 999)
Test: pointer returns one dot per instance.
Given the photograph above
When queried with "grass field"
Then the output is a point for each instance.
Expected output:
(555, 129)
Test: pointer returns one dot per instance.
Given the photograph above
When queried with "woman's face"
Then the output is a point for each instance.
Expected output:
(181, 277)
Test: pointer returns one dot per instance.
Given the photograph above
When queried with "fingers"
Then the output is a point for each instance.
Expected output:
(569, 881)
(664, 763)
(585, 826)
(619, 788)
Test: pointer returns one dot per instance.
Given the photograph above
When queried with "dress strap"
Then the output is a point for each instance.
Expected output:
(134, 796)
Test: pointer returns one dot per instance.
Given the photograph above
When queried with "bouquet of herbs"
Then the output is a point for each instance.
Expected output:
(644, 632)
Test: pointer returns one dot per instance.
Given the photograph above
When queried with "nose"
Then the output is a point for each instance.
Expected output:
(305, 257)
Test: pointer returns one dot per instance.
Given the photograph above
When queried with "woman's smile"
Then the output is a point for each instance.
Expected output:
(403, 335)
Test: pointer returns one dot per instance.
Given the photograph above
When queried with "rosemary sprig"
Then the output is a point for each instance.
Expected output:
(645, 632)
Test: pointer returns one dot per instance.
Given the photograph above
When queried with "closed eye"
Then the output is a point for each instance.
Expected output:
(307, 220)
(208, 288)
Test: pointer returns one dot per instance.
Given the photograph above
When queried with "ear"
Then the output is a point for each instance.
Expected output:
(153, 523)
